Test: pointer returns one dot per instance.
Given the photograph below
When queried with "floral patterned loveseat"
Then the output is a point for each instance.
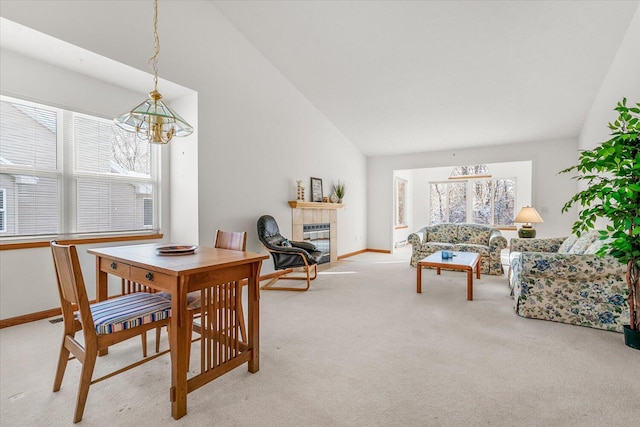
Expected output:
(482, 239)
(560, 279)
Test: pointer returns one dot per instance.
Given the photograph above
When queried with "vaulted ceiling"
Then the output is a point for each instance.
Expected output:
(413, 76)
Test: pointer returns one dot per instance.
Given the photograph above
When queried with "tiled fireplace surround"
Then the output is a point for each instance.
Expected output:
(317, 215)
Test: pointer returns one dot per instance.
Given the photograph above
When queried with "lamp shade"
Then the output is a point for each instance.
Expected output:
(154, 120)
(528, 215)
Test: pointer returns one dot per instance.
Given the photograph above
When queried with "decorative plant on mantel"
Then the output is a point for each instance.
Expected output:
(612, 174)
(339, 189)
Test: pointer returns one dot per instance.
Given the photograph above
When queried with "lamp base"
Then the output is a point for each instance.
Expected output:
(527, 232)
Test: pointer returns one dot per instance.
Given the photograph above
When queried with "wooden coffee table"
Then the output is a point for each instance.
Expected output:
(462, 261)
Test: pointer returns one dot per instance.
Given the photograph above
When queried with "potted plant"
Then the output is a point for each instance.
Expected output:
(612, 174)
(339, 190)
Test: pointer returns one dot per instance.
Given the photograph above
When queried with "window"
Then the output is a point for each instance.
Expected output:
(70, 173)
(147, 212)
(477, 201)
(400, 199)
(448, 202)
(3, 203)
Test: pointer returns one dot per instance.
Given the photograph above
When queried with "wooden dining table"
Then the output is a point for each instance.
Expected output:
(217, 274)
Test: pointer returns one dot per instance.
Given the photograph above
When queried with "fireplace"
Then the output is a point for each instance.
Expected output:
(317, 218)
(320, 236)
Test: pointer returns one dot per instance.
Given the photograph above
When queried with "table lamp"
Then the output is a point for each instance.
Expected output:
(527, 216)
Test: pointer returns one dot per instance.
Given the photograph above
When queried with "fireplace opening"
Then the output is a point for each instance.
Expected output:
(319, 235)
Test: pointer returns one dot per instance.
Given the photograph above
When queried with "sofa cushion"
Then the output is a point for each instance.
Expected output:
(474, 234)
(567, 244)
(432, 247)
(595, 246)
(583, 242)
(443, 233)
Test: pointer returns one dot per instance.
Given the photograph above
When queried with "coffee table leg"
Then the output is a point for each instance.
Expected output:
(419, 282)
(478, 265)
(470, 284)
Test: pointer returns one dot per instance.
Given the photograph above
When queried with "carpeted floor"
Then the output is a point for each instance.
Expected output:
(361, 348)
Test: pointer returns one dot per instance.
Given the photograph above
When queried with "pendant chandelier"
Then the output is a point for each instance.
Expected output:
(153, 120)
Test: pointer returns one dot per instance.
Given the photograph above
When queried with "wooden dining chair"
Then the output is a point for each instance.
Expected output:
(233, 240)
(237, 241)
(103, 324)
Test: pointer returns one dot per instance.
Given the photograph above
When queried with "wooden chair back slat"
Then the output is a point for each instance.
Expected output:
(71, 287)
(234, 240)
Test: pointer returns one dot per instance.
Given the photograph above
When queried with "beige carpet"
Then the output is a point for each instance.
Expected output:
(361, 348)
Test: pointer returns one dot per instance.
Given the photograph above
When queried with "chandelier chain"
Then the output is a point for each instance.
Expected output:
(156, 45)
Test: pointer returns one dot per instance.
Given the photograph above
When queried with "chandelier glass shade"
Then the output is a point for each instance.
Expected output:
(153, 119)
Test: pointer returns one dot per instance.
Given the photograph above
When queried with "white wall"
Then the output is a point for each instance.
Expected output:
(183, 176)
(256, 133)
(622, 81)
(550, 191)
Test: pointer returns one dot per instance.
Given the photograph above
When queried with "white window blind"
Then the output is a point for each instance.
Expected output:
(71, 173)
(3, 203)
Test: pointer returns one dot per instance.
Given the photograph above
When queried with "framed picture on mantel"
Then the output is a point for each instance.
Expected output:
(316, 190)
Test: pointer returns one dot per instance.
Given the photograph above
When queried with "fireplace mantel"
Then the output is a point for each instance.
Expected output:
(297, 204)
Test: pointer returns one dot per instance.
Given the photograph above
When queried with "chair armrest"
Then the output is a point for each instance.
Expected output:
(577, 267)
(536, 245)
(287, 250)
(309, 247)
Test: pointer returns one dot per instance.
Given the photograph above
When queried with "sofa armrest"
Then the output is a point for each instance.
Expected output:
(577, 267)
(536, 245)
(417, 238)
(497, 242)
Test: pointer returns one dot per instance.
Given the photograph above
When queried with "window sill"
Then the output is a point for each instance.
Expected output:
(78, 241)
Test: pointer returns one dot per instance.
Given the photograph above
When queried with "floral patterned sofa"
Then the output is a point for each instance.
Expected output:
(482, 239)
(560, 279)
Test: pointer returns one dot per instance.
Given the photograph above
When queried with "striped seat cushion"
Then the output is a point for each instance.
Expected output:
(129, 311)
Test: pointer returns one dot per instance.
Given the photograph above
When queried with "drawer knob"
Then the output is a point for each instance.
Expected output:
(149, 276)
(114, 265)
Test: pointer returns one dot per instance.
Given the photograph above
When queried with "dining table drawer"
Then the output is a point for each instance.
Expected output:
(116, 268)
(151, 278)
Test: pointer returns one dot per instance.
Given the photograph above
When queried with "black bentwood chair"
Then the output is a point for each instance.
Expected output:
(287, 255)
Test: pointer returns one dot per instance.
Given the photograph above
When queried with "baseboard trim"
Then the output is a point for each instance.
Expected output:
(361, 251)
(32, 317)
(45, 314)
(380, 251)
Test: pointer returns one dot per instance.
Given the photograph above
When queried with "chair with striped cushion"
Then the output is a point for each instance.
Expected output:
(103, 324)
